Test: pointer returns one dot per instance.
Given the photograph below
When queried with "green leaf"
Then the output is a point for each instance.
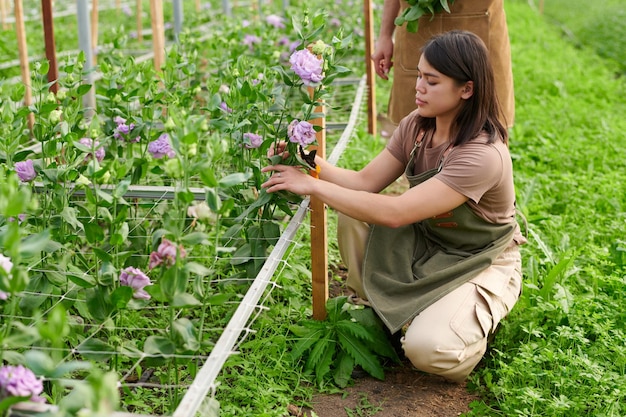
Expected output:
(69, 215)
(34, 244)
(182, 300)
(159, 345)
(307, 340)
(322, 367)
(195, 238)
(234, 179)
(219, 299)
(96, 350)
(362, 355)
(343, 370)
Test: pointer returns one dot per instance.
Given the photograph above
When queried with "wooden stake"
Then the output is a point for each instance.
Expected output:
(198, 6)
(319, 233)
(48, 34)
(371, 74)
(3, 14)
(158, 34)
(94, 31)
(23, 54)
(139, 21)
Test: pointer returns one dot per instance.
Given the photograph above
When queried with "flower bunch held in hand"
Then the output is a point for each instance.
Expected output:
(18, 381)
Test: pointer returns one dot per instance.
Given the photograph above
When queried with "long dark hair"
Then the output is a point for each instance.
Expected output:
(462, 56)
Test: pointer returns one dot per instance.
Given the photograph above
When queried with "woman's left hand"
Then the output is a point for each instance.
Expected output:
(288, 178)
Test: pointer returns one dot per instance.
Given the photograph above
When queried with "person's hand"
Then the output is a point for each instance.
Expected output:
(287, 178)
(382, 57)
(278, 149)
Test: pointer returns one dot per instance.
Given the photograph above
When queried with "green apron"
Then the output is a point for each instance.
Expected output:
(408, 268)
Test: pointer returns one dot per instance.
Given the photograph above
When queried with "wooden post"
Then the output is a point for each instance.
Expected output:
(48, 34)
(94, 30)
(3, 14)
(139, 22)
(23, 54)
(198, 8)
(371, 74)
(319, 232)
(158, 34)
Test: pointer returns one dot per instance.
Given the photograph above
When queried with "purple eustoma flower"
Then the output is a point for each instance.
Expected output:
(137, 280)
(166, 254)
(161, 147)
(302, 133)
(251, 40)
(25, 170)
(18, 381)
(307, 66)
(276, 21)
(225, 107)
(252, 140)
(88, 142)
(122, 131)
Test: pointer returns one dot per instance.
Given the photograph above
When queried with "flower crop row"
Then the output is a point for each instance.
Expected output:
(82, 262)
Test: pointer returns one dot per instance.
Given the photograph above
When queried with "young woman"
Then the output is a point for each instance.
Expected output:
(440, 260)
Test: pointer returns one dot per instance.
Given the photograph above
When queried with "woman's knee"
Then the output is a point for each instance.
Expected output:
(442, 352)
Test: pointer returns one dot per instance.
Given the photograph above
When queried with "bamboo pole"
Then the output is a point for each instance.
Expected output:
(139, 21)
(371, 74)
(22, 47)
(158, 35)
(94, 30)
(51, 55)
(319, 232)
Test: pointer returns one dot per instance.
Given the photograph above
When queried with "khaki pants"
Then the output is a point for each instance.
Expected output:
(449, 337)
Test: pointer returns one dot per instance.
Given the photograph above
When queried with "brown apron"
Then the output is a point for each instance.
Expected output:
(486, 18)
(408, 268)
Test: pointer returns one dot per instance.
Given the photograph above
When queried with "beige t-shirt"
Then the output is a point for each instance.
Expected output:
(481, 171)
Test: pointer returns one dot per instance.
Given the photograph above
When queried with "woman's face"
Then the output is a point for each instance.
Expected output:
(436, 94)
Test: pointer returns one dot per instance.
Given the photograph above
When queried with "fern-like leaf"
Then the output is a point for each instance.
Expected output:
(318, 352)
(306, 341)
(343, 372)
(355, 329)
(322, 368)
(361, 355)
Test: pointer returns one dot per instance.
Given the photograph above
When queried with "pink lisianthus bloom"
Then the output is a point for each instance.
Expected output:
(276, 21)
(307, 66)
(302, 133)
(225, 107)
(18, 381)
(251, 40)
(252, 140)
(161, 147)
(99, 153)
(137, 280)
(166, 254)
(25, 170)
